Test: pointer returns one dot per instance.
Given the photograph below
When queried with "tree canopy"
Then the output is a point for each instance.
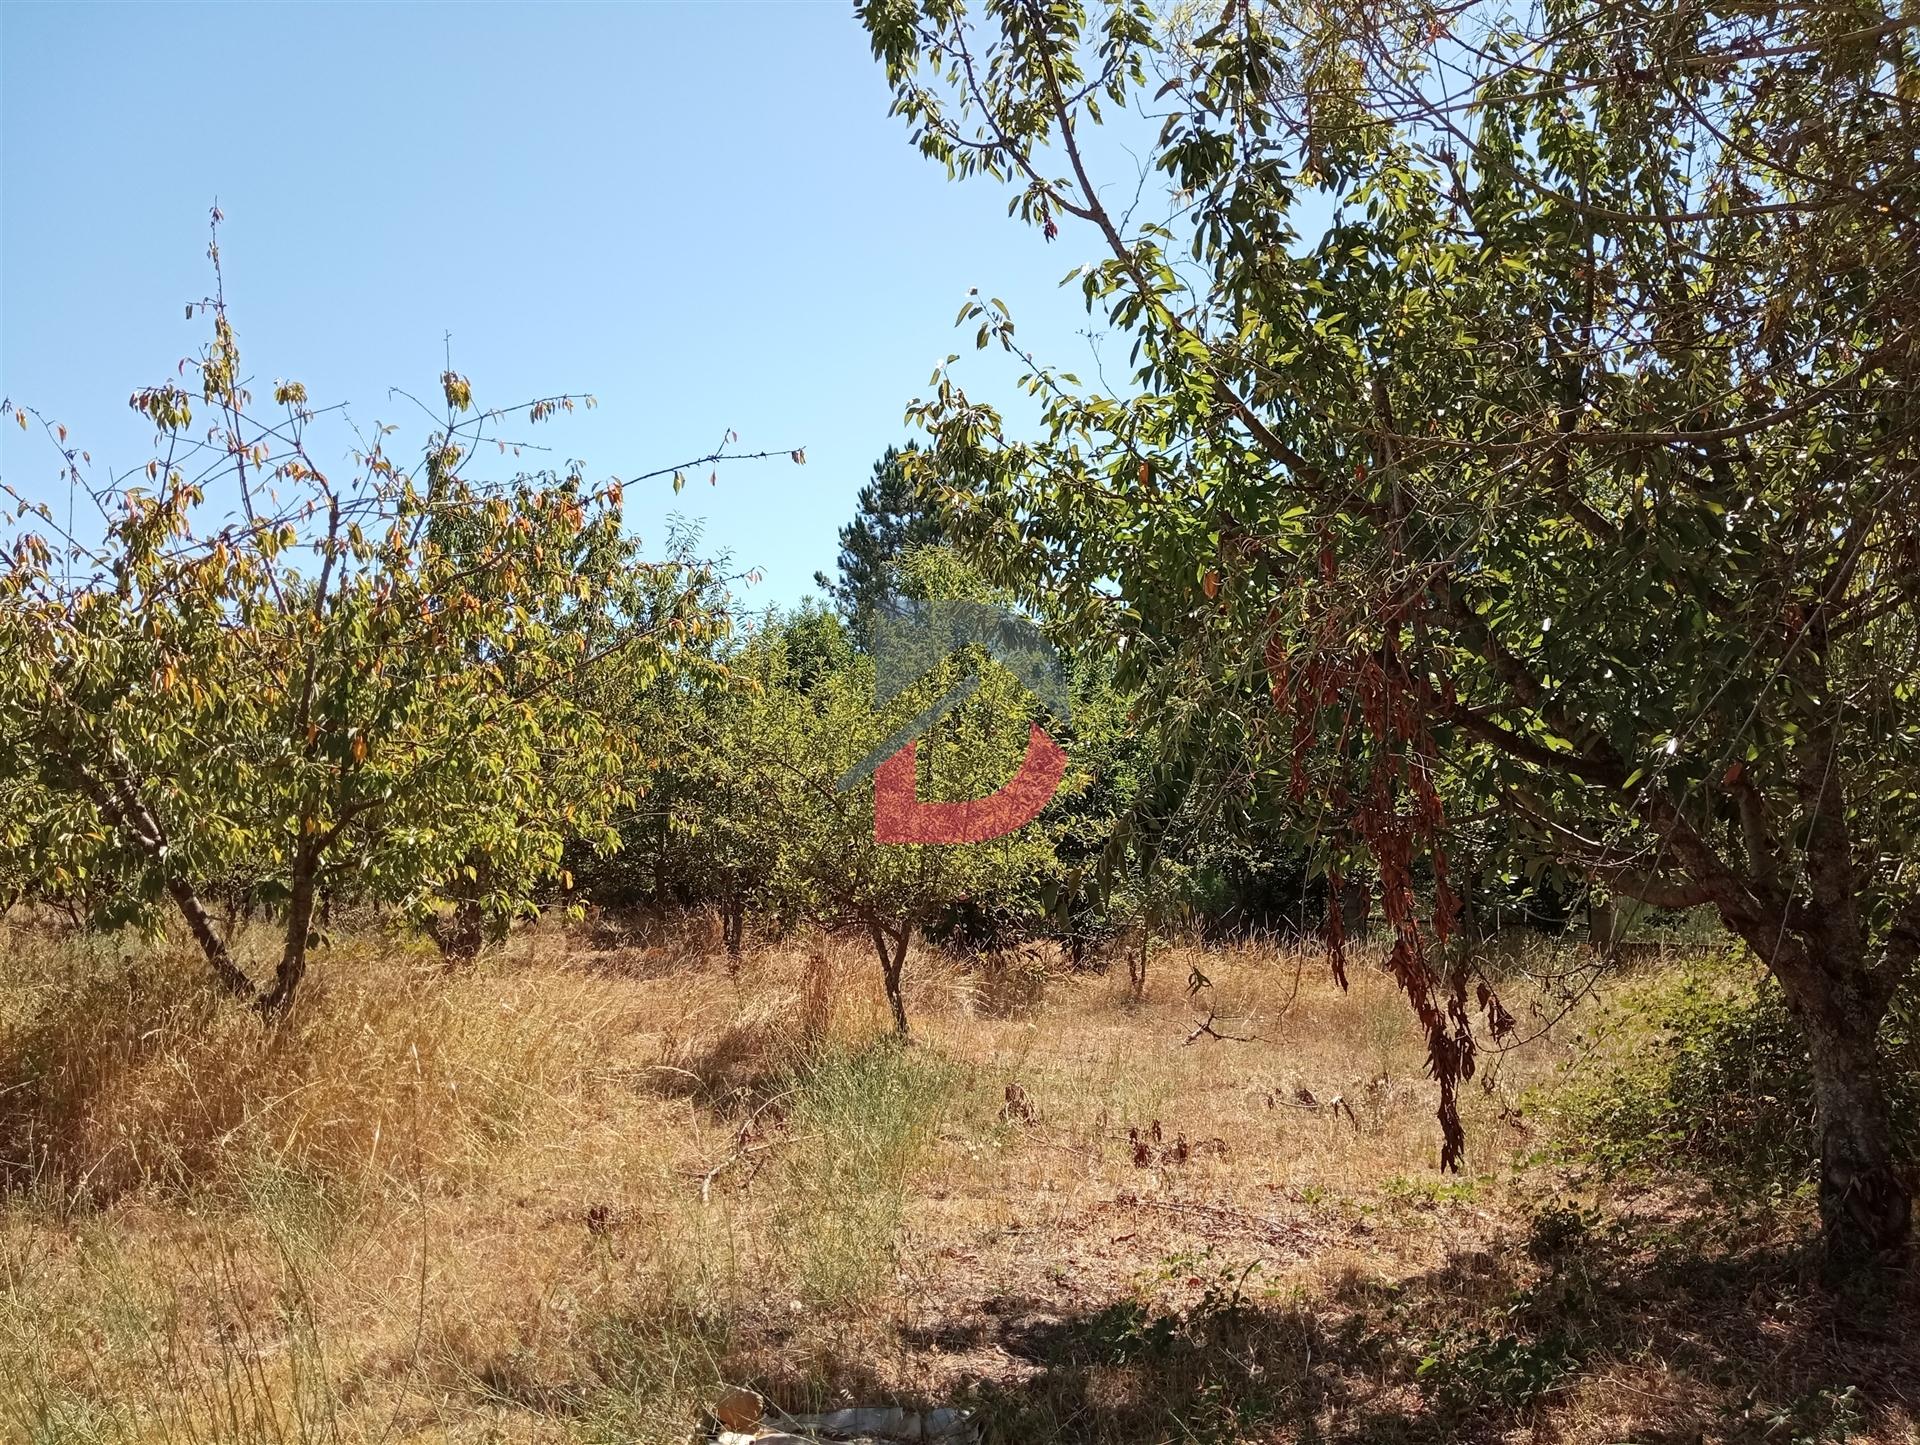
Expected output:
(890, 519)
(1566, 468)
(381, 685)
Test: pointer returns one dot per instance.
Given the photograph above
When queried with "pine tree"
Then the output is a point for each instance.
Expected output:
(890, 520)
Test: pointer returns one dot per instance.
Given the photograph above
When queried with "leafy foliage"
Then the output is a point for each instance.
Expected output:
(1567, 469)
(1713, 1076)
(1470, 1366)
(376, 686)
(750, 810)
(829, 867)
(890, 520)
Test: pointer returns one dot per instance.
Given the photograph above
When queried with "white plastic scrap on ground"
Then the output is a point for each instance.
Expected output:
(742, 1418)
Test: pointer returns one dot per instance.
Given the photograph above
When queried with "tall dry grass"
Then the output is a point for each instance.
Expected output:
(545, 1191)
(568, 1195)
(124, 1073)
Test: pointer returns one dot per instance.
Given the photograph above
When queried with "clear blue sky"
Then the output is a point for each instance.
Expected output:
(700, 212)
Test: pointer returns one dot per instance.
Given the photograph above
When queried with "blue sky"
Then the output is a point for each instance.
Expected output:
(699, 212)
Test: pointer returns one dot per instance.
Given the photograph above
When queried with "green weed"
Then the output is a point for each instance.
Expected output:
(859, 1121)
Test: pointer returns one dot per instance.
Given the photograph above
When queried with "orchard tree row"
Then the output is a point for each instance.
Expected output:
(243, 685)
(1518, 478)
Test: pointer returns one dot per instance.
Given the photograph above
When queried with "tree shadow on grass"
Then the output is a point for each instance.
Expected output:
(1637, 1329)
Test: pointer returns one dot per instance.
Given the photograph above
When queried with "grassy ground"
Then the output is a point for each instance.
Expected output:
(569, 1195)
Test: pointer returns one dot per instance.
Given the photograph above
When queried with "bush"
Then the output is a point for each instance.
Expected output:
(1009, 983)
(1470, 1367)
(1710, 1072)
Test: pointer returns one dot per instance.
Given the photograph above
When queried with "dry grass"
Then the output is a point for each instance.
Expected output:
(566, 1196)
(127, 1075)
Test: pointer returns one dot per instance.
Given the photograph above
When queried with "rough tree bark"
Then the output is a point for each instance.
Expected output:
(1866, 1203)
(1866, 1207)
(199, 923)
(302, 897)
(1838, 996)
(460, 935)
(120, 804)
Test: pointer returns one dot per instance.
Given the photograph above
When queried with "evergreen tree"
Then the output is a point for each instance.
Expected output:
(890, 520)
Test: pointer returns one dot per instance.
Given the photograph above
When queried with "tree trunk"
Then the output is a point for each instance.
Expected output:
(200, 923)
(733, 922)
(893, 960)
(1603, 925)
(459, 938)
(1866, 1206)
(293, 952)
(1355, 903)
(119, 802)
(1137, 965)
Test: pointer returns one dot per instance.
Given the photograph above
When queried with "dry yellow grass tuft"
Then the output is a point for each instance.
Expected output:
(126, 1075)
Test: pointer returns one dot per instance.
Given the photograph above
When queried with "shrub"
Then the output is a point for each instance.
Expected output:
(1709, 1071)
(1009, 982)
(1507, 1364)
